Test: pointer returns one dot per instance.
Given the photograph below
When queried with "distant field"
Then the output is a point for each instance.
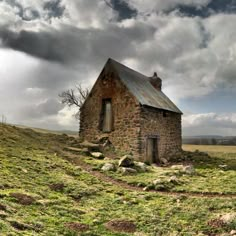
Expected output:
(46, 131)
(210, 148)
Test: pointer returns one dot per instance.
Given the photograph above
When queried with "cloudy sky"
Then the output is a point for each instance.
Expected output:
(47, 46)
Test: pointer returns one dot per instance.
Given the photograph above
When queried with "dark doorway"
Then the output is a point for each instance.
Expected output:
(152, 150)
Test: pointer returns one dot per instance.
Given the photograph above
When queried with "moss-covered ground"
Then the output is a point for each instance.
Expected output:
(215, 172)
(41, 193)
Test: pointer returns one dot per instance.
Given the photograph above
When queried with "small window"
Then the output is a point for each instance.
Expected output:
(106, 121)
(164, 114)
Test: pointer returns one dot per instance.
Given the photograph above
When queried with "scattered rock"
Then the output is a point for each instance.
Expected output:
(157, 181)
(189, 170)
(126, 161)
(228, 218)
(146, 188)
(109, 167)
(102, 138)
(164, 161)
(233, 232)
(97, 155)
(141, 166)
(84, 150)
(177, 167)
(127, 170)
(92, 147)
(57, 187)
(224, 167)
(76, 226)
(24, 170)
(173, 179)
(126, 226)
(22, 198)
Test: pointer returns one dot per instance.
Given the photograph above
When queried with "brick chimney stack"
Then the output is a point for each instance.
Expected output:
(156, 81)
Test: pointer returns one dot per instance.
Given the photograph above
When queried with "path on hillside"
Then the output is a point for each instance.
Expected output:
(75, 159)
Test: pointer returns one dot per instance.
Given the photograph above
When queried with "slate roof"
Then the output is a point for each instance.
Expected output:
(139, 85)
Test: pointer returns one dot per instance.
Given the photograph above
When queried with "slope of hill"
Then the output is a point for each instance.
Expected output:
(41, 193)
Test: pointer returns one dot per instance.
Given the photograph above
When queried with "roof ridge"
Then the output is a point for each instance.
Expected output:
(139, 85)
(120, 64)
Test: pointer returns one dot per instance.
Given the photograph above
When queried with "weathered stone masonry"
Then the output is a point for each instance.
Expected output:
(125, 110)
(133, 123)
(166, 125)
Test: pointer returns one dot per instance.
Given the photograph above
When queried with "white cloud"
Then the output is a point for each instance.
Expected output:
(34, 91)
(66, 117)
(209, 123)
(88, 14)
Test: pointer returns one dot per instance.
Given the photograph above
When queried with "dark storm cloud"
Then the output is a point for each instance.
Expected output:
(123, 9)
(40, 45)
(71, 44)
(214, 7)
(54, 8)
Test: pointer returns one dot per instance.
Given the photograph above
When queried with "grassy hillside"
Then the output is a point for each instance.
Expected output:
(41, 193)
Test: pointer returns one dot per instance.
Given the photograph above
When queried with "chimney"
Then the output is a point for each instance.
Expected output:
(156, 81)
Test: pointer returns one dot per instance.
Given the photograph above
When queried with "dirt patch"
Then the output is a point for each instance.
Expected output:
(76, 226)
(57, 187)
(216, 223)
(20, 226)
(2, 207)
(121, 226)
(23, 199)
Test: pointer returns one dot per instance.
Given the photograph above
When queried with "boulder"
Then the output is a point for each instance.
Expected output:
(173, 179)
(141, 166)
(233, 232)
(97, 155)
(82, 151)
(126, 161)
(109, 167)
(127, 170)
(157, 181)
(177, 167)
(189, 170)
(164, 161)
(92, 147)
(228, 218)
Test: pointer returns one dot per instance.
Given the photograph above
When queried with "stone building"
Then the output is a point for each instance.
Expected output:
(131, 109)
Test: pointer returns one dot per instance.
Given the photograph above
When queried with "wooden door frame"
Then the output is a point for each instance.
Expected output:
(157, 138)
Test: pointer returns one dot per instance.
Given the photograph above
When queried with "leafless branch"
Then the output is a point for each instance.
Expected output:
(73, 97)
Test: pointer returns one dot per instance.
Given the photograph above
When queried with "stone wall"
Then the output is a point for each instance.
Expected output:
(125, 110)
(167, 125)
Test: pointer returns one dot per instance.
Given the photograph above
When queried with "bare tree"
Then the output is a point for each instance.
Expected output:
(74, 97)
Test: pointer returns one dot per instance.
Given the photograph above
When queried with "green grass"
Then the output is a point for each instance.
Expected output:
(31, 163)
(212, 176)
